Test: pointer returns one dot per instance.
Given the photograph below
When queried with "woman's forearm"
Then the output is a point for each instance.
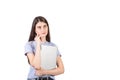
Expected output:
(36, 61)
(56, 71)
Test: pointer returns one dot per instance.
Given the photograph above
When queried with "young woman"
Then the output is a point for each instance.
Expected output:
(40, 35)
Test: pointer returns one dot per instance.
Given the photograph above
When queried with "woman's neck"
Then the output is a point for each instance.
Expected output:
(43, 39)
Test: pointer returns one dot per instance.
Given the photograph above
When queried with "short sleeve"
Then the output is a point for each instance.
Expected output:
(28, 48)
(58, 53)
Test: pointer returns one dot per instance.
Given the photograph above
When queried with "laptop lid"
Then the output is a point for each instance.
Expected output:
(48, 57)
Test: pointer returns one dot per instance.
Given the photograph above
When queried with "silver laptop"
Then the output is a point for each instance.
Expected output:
(48, 57)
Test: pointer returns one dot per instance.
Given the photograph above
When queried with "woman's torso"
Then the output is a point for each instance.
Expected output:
(31, 47)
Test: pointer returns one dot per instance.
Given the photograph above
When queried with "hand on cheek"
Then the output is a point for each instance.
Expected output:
(37, 39)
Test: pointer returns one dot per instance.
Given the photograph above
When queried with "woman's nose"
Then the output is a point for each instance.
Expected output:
(42, 29)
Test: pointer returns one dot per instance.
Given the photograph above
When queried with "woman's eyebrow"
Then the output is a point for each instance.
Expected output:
(38, 26)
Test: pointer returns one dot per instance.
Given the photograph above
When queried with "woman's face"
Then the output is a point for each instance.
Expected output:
(41, 29)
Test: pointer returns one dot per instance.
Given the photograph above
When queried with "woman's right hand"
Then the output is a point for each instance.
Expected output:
(37, 39)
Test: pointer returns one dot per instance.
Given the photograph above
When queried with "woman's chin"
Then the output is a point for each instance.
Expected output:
(43, 35)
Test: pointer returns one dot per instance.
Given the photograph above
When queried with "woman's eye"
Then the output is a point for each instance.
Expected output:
(45, 26)
(39, 27)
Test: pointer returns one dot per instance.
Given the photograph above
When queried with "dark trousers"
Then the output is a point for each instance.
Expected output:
(41, 78)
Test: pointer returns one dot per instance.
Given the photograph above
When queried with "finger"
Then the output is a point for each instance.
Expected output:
(37, 73)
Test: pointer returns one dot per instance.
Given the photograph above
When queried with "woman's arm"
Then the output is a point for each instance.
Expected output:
(34, 59)
(56, 71)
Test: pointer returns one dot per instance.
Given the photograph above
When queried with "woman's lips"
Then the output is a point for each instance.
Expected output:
(43, 33)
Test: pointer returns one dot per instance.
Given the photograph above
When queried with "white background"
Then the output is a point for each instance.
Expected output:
(87, 33)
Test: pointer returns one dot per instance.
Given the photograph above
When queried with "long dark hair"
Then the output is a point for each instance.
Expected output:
(35, 21)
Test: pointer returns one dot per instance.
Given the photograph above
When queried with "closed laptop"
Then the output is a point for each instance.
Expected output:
(48, 57)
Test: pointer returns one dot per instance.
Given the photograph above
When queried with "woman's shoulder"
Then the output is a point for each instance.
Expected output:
(30, 43)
